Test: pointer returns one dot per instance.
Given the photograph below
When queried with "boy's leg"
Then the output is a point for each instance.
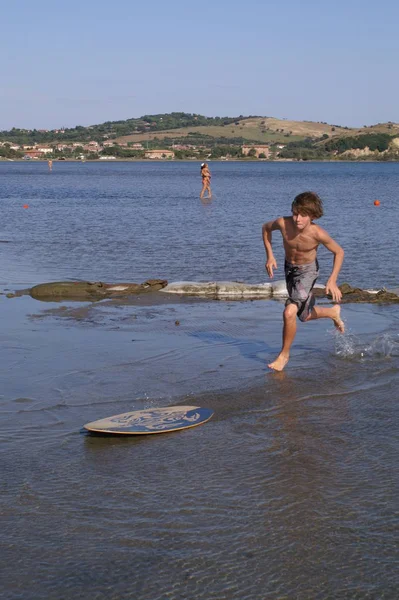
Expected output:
(289, 329)
(289, 332)
(333, 313)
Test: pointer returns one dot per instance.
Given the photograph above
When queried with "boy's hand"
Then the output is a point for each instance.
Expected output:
(333, 290)
(270, 265)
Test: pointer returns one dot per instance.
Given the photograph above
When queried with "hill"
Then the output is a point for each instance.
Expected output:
(178, 125)
(265, 130)
(216, 137)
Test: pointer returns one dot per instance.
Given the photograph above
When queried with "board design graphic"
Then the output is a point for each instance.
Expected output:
(152, 420)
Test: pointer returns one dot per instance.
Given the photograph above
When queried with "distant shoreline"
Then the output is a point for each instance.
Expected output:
(194, 160)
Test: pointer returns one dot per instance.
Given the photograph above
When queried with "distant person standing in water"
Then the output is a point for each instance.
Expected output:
(50, 164)
(301, 238)
(206, 181)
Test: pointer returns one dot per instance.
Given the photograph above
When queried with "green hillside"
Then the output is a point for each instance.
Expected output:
(194, 135)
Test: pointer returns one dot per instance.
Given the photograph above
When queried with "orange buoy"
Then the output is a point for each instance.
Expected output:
(377, 202)
(26, 205)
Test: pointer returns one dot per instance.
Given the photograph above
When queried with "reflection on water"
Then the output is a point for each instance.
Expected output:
(206, 201)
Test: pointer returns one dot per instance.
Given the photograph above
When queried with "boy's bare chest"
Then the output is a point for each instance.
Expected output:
(300, 242)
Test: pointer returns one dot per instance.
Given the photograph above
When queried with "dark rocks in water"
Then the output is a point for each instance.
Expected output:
(350, 294)
(88, 291)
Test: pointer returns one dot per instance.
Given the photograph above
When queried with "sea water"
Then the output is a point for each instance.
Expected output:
(132, 221)
(290, 491)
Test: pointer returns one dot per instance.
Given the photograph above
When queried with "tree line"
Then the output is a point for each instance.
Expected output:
(114, 129)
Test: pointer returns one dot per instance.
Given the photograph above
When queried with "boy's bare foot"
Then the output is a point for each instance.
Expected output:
(279, 363)
(338, 322)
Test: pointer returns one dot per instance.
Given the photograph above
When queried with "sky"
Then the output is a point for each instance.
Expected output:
(86, 62)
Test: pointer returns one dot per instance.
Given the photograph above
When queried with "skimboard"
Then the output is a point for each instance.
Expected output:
(152, 420)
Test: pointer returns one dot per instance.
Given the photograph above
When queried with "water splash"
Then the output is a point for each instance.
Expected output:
(384, 346)
(348, 346)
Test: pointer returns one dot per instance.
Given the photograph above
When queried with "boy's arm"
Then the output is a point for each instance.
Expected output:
(331, 245)
(267, 229)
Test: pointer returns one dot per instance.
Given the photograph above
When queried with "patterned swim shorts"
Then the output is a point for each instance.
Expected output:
(300, 280)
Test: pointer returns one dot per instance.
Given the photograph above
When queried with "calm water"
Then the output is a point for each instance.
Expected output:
(291, 490)
(132, 221)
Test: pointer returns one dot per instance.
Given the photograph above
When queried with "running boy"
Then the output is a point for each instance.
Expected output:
(301, 238)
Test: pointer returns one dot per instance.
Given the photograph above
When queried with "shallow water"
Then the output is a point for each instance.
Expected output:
(132, 221)
(289, 491)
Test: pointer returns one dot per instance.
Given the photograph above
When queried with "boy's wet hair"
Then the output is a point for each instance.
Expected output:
(308, 204)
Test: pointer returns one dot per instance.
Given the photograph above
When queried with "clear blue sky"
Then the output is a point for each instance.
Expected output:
(85, 62)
